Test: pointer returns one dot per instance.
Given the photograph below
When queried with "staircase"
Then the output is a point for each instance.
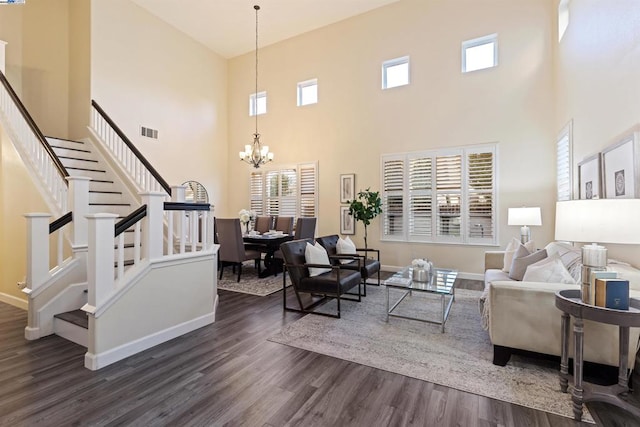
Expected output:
(107, 194)
(113, 211)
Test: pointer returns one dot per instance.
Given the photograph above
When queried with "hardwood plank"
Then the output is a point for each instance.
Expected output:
(229, 374)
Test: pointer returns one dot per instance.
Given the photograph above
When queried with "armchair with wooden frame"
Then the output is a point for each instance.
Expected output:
(367, 266)
(332, 284)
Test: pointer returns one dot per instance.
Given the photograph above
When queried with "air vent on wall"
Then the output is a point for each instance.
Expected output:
(148, 132)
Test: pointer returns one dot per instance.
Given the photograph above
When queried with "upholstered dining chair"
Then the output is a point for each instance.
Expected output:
(305, 229)
(368, 266)
(232, 250)
(284, 224)
(334, 283)
(263, 224)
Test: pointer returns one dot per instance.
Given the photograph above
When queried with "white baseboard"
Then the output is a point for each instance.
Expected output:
(14, 301)
(98, 361)
(31, 333)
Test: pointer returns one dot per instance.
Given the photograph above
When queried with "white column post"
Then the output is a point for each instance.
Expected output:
(177, 193)
(37, 249)
(100, 258)
(78, 202)
(152, 227)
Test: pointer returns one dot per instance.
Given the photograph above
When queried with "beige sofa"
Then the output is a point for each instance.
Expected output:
(523, 315)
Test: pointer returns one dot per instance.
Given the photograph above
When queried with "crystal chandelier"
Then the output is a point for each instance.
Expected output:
(255, 154)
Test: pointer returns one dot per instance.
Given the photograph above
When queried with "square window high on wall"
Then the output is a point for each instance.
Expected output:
(395, 72)
(257, 103)
(480, 53)
(308, 92)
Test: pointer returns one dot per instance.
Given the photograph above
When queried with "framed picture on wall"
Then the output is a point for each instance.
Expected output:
(347, 223)
(347, 187)
(590, 178)
(620, 169)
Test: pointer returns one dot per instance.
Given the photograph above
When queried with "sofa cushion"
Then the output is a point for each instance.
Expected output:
(511, 249)
(549, 270)
(520, 263)
(627, 272)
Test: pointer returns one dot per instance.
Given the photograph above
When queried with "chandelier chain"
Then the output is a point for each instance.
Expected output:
(255, 101)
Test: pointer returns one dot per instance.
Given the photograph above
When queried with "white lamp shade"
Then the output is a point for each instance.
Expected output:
(524, 216)
(598, 221)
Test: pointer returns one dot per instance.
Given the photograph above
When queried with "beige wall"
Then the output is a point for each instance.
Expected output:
(598, 64)
(145, 73)
(79, 68)
(355, 121)
(37, 67)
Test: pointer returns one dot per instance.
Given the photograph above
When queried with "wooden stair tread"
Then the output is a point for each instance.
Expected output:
(87, 170)
(77, 317)
(72, 149)
(77, 158)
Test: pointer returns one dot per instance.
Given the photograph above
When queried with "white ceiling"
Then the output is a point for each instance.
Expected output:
(228, 26)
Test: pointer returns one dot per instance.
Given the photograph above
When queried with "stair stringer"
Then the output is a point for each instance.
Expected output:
(158, 300)
(64, 291)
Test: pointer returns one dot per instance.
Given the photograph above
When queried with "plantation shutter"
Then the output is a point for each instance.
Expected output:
(272, 193)
(308, 195)
(393, 197)
(256, 185)
(449, 194)
(480, 190)
(288, 193)
(420, 197)
(564, 164)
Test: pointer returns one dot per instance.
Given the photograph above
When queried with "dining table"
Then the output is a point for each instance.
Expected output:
(268, 243)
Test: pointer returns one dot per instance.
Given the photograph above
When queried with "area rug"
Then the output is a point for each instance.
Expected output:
(461, 358)
(250, 283)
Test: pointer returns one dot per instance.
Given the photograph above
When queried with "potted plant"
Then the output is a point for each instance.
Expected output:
(366, 206)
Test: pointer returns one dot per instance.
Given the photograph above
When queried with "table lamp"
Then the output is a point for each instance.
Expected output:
(597, 221)
(524, 217)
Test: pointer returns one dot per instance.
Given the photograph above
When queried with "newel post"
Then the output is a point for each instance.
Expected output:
(100, 274)
(177, 193)
(78, 202)
(152, 226)
(37, 249)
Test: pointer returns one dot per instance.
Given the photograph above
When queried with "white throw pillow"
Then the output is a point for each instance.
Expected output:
(550, 270)
(511, 249)
(345, 247)
(316, 254)
(570, 256)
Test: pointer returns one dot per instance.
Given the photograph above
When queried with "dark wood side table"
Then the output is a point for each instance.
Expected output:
(570, 303)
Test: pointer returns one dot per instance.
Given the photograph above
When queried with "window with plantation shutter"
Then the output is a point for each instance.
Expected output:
(290, 191)
(564, 163)
(446, 196)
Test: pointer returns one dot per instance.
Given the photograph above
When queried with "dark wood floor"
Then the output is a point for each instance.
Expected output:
(228, 374)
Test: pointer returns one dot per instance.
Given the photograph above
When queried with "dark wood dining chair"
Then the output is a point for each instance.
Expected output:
(232, 250)
(333, 284)
(284, 224)
(263, 224)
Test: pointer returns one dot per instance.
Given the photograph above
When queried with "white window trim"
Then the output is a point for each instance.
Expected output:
(491, 38)
(464, 238)
(566, 132)
(305, 84)
(253, 103)
(392, 63)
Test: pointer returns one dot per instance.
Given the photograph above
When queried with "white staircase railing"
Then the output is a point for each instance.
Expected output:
(33, 148)
(132, 162)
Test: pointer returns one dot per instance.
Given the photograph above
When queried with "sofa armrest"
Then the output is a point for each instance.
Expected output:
(493, 259)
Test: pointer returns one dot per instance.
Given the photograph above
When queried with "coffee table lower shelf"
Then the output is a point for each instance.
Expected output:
(446, 307)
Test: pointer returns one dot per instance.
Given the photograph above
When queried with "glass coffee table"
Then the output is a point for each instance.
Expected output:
(440, 283)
